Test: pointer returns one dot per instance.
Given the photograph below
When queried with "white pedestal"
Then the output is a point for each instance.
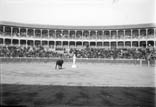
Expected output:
(74, 66)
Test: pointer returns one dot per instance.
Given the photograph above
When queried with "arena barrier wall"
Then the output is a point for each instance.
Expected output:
(78, 60)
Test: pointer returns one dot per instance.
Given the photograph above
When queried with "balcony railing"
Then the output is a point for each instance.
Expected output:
(84, 38)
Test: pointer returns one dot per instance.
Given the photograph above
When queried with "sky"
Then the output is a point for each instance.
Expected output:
(78, 12)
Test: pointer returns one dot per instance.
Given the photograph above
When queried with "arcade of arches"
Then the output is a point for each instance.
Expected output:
(119, 38)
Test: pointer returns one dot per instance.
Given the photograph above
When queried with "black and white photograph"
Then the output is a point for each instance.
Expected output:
(77, 53)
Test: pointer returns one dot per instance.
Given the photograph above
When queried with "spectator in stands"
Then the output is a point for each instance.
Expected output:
(39, 51)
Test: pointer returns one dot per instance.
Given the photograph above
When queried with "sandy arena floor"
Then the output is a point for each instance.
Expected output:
(84, 75)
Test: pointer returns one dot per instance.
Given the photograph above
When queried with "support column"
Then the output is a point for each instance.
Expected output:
(146, 44)
(139, 44)
(131, 34)
(102, 34)
(110, 44)
(48, 43)
(26, 43)
(34, 32)
(61, 34)
(68, 44)
(82, 34)
(61, 44)
(48, 32)
(11, 31)
(124, 43)
(19, 34)
(4, 42)
(139, 37)
(55, 33)
(41, 32)
(131, 39)
(19, 42)
(96, 44)
(75, 34)
(117, 44)
(68, 34)
(117, 34)
(139, 33)
(102, 44)
(131, 43)
(26, 32)
(3, 29)
(109, 34)
(124, 35)
(41, 42)
(75, 44)
(11, 42)
(89, 34)
(96, 34)
(146, 33)
(70, 37)
(34, 43)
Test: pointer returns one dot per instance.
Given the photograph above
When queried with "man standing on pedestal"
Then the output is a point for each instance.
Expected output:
(74, 61)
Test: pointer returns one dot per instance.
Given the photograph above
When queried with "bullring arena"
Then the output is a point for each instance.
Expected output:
(86, 74)
(115, 65)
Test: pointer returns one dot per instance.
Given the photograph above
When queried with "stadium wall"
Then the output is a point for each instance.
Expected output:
(69, 60)
(121, 36)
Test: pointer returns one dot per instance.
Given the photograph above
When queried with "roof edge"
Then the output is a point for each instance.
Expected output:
(46, 26)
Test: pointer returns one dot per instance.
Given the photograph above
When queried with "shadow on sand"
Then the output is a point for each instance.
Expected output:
(75, 96)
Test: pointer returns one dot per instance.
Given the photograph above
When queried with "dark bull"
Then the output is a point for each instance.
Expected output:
(59, 64)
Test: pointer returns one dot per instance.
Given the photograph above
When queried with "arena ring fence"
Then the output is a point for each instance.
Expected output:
(78, 60)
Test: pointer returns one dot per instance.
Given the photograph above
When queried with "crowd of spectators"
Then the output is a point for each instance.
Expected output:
(112, 53)
(19, 51)
(14, 51)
